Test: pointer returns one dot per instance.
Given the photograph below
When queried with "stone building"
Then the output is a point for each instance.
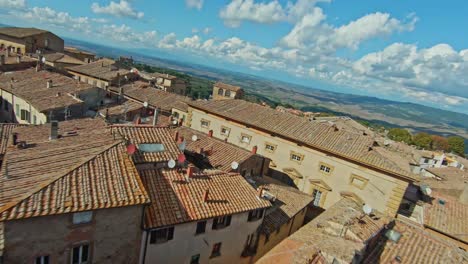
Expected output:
(222, 91)
(29, 40)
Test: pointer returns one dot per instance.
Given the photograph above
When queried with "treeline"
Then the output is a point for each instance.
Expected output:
(427, 141)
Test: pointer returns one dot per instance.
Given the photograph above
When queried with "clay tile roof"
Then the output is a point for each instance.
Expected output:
(149, 135)
(447, 215)
(17, 32)
(321, 136)
(220, 154)
(104, 69)
(142, 92)
(121, 109)
(80, 171)
(415, 246)
(227, 86)
(77, 51)
(289, 202)
(175, 201)
(163, 75)
(31, 86)
(448, 172)
(5, 132)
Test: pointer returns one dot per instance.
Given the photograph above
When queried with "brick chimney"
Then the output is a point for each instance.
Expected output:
(254, 149)
(190, 170)
(18, 59)
(205, 197)
(260, 192)
(210, 133)
(14, 139)
(176, 136)
(49, 84)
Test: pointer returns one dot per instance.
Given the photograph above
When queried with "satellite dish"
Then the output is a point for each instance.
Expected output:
(131, 149)
(171, 164)
(43, 60)
(194, 138)
(145, 104)
(367, 209)
(174, 122)
(234, 165)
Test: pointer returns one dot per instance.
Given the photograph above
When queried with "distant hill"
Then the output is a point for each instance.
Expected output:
(412, 116)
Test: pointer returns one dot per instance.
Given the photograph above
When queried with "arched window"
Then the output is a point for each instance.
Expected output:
(228, 93)
(18, 50)
(220, 92)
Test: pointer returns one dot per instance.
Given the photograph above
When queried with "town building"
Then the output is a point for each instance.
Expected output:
(125, 112)
(58, 60)
(70, 194)
(29, 40)
(319, 159)
(208, 217)
(222, 91)
(80, 54)
(36, 97)
(102, 73)
(449, 181)
(208, 152)
(166, 82)
(13, 62)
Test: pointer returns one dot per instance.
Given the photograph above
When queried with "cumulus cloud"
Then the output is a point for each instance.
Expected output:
(168, 41)
(198, 4)
(118, 9)
(13, 4)
(124, 33)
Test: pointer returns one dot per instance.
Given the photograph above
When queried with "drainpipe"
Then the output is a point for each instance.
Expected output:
(155, 117)
(146, 237)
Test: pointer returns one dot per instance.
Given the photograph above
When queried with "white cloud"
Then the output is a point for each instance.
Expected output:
(13, 4)
(198, 4)
(124, 33)
(207, 30)
(168, 41)
(120, 9)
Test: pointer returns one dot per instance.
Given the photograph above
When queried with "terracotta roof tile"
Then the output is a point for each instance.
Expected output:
(121, 109)
(102, 69)
(5, 131)
(221, 154)
(175, 201)
(227, 86)
(18, 32)
(140, 134)
(322, 136)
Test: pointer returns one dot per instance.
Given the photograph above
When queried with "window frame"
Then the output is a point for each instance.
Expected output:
(80, 253)
(293, 153)
(268, 144)
(330, 168)
(168, 233)
(255, 215)
(246, 136)
(320, 195)
(41, 259)
(225, 222)
(198, 229)
(207, 121)
(361, 186)
(227, 129)
(218, 246)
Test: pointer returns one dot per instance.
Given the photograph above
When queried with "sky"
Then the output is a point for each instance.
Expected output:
(405, 50)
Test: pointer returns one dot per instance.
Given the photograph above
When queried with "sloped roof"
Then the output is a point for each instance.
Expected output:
(175, 201)
(32, 87)
(5, 131)
(228, 86)
(62, 58)
(415, 246)
(121, 109)
(18, 32)
(139, 134)
(289, 201)
(221, 154)
(104, 69)
(321, 136)
(84, 170)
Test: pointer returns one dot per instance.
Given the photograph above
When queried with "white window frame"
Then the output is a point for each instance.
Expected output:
(226, 132)
(80, 254)
(244, 136)
(41, 259)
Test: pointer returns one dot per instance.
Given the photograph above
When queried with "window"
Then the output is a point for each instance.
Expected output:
(82, 217)
(255, 215)
(201, 226)
(25, 115)
(195, 259)
(220, 92)
(245, 138)
(228, 93)
(17, 110)
(358, 181)
(205, 123)
(296, 157)
(161, 235)
(221, 222)
(426, 160)
(80, 254)
(325, 168)
(270, 147)
(34, 119)
(42, 260)
(225, 131)
(216, 250)
(68, 112)
(317, 196)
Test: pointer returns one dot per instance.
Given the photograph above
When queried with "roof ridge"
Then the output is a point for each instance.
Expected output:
(42, 186)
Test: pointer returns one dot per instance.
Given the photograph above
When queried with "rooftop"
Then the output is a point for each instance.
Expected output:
(176, 200)
(104, 69)
(121, 109)
(32, 87)
(227, 86)
(5, 132)
(78, 51)
(322, 136)
(163, 75)
(84, 169)
(141, 134)
(288, 202)
(344, 122)
(415, 246)
(220, 154)
(62, 58)
(453, 182)
(327, 234)
(143, 92)
(18, 32)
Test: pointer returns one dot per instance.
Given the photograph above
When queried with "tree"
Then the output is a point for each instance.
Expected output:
(457, 145)
(400, 134)
(439, 143)
(422, 140)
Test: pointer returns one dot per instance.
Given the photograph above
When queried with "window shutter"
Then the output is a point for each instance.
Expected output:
(228, 220)
(170, 234)
(215, 223)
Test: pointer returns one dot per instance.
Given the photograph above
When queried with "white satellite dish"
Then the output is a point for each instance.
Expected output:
(145, 104)
(43, 60)
(194, 138)
(171, 163)
(234, 165)
(174, 122)
(367, 209)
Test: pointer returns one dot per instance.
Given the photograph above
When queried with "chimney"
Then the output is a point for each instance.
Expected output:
(254, 149)
(210, 133)
(260, 192)
(190, 170)
(49, 84)
(7, 52)
(18, 59)
(2, 60)
(155, 117)
(14, 139)
(176, 136)
(205, 198)
(180, 140)
(53, 130)
(201, 150)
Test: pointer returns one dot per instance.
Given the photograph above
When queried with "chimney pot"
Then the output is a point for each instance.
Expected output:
(254, 149)
(18, 59)
(210, 133)
(181, 139)
(200, 150)
(14, 139)
(190, 170)
(2, 59)
(205, 198)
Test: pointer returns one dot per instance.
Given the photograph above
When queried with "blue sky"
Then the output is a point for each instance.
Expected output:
(405, 50)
